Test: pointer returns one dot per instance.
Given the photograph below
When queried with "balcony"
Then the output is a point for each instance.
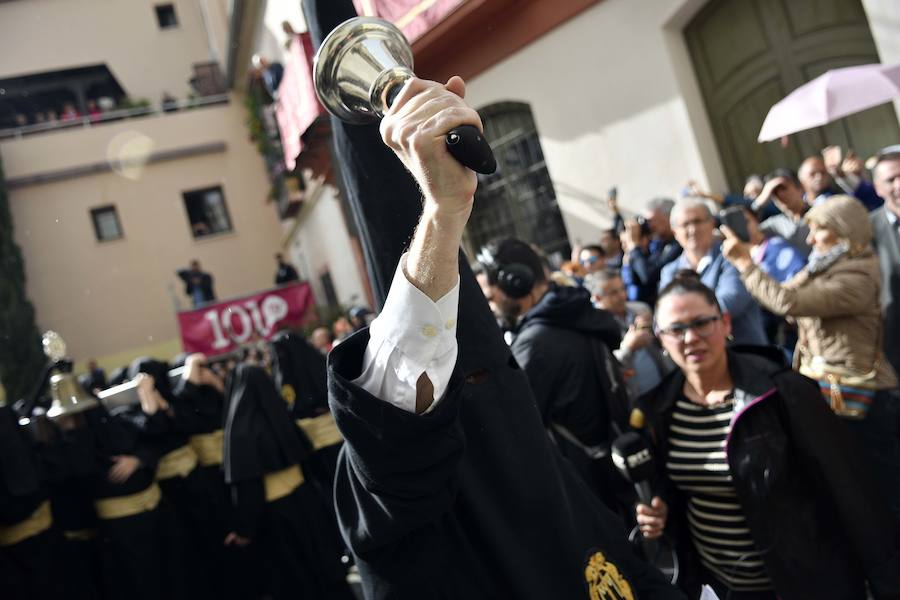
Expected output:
(48, 152)
(102, 118)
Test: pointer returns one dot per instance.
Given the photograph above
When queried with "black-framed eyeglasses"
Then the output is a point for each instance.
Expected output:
(704, 327)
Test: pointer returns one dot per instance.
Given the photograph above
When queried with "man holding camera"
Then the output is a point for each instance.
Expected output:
(649, 245)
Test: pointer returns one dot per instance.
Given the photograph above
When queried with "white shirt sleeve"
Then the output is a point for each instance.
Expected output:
(411, 336)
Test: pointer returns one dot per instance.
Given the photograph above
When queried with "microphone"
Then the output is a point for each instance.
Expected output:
(632, 457)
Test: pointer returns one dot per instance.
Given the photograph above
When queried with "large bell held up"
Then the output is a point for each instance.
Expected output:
(67, 394)
(359, 70)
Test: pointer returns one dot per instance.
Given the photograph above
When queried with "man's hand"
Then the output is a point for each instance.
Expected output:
(768, 189)
(151, 400)
(853, 165)
(831, 156)
(415, 128)
(635, 339)
(612, 203)
(193, 367)
(652, 519)
(632, 237)
(123, 467)
(735, 251)
(233, 539)
(198, 372)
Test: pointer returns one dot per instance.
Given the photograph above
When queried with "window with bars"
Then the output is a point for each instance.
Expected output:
(206, 211)
(106, 223)
(517, 200)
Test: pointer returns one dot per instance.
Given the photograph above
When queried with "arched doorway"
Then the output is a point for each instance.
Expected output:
(518, 200)
(748, 54)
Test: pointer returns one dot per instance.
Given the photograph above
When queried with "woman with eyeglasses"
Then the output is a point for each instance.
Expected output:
(758, 483)
(835, 303)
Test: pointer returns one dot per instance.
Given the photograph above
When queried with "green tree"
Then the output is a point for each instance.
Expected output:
(21, 358)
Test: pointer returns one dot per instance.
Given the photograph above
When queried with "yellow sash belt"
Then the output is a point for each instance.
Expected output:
(80, 535)
(281, 483)
(38, 522)
(322, 431)
(177, 463)
(128, 506)
(208, 447)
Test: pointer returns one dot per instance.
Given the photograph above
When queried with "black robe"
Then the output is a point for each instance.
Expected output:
(70, 463)
(132, 547)
(293, 533)
(470, 500)
(22, 492)
(300, 372)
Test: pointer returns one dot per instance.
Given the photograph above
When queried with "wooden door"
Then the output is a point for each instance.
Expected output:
(749, 54)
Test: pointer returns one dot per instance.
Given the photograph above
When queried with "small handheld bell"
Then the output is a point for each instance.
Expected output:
(360, 68)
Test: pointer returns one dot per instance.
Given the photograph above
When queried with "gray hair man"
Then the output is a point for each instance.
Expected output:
(694, 227)
(642, 360)
(886, 227)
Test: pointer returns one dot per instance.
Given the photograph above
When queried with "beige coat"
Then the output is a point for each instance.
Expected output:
(837, 313)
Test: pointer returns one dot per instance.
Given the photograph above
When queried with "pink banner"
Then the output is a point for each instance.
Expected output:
(221, 327)
(298, 106)
(412, 17)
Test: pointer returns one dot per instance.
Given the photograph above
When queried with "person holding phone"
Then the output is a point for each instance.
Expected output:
(694, 228)
(834, 301)
(775, 256)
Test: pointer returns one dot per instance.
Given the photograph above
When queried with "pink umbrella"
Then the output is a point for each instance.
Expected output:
(830, 96)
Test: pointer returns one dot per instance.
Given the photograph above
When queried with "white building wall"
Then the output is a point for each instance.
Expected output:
(616, 102)
(46, 35)
(319, 242)
(607, 103)
(884, 19)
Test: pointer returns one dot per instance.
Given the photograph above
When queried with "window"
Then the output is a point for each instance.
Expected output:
(106, 223)
(206, 211)
(165, 15)
(328, 287)
(518, 200)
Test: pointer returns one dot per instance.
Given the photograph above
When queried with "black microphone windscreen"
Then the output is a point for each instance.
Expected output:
(632, 457)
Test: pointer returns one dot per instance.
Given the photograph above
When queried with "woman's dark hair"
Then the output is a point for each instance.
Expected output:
(688, 282)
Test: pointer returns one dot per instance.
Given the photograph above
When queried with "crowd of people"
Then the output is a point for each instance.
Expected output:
(94, 109)
(738, 292)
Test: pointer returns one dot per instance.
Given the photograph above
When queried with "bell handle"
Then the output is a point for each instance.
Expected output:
(467, 145)
(464, 143)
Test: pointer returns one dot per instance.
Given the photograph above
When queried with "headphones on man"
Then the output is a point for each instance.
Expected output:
(516, 280)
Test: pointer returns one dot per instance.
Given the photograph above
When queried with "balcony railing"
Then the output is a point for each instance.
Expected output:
(87, 121)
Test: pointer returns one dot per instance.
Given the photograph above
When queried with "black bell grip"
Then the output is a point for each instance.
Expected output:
(467, 145)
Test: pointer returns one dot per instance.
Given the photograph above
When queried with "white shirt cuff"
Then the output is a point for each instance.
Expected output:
(411, 336)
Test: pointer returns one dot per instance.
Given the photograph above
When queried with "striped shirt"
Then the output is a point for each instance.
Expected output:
(697, 465)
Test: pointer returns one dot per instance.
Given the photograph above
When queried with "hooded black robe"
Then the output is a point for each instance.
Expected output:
(293, 532)
(22, 492)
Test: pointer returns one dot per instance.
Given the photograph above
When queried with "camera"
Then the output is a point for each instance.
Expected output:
(645, 226)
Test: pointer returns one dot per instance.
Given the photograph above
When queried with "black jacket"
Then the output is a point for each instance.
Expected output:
(808, 500)
(561, 344)
(646, 268)
(470, 500)
(197, 280)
